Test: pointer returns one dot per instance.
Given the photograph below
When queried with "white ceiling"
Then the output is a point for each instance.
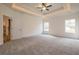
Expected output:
(55, 7)
(32, 7)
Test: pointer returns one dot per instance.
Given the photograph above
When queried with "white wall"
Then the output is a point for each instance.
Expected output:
(22, 24)
(57, 22)
(57, 25)
(1, 32)
(31, 26)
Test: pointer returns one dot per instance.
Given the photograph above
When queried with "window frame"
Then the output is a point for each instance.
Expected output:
(74, 26)
(46, 32)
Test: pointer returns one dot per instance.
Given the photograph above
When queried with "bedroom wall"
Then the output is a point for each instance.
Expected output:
(57, 25)
(22, 24)
(31, 26)
(1, 32)
(57, 22)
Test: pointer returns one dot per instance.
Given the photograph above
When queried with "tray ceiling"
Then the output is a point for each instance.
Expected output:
(31, 7)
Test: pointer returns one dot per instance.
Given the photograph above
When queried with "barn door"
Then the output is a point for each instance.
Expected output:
(6, 29)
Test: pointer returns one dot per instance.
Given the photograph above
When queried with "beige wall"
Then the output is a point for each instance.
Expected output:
(31, 26)
(57, 21)
(57, 25)
(1, 32)
(22, 24)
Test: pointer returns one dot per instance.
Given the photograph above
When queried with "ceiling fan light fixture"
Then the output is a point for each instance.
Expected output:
(44, 8)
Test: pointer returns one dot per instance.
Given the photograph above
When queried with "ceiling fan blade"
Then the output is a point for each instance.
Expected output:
(49, 6)
(44, 4)
(47, 9)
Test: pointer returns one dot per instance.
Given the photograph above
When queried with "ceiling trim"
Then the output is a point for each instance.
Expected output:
(65, 8)
(19, 8)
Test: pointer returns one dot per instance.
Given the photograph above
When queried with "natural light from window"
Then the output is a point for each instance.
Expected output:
(70, 26)
(46, 26)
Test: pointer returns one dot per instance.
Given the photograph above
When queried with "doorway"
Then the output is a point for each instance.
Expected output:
(6, 29)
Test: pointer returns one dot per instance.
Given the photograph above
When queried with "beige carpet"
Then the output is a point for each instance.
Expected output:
(41, 45)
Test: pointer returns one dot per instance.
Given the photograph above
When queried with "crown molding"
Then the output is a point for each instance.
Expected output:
(65, 8)
(21, 9)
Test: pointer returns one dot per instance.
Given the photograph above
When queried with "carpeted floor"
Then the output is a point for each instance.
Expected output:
(41, 45)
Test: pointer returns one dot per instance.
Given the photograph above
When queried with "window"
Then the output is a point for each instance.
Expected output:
(46, 26)
(70, 26)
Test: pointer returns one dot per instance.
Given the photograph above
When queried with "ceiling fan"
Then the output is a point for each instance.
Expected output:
(44, 6)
